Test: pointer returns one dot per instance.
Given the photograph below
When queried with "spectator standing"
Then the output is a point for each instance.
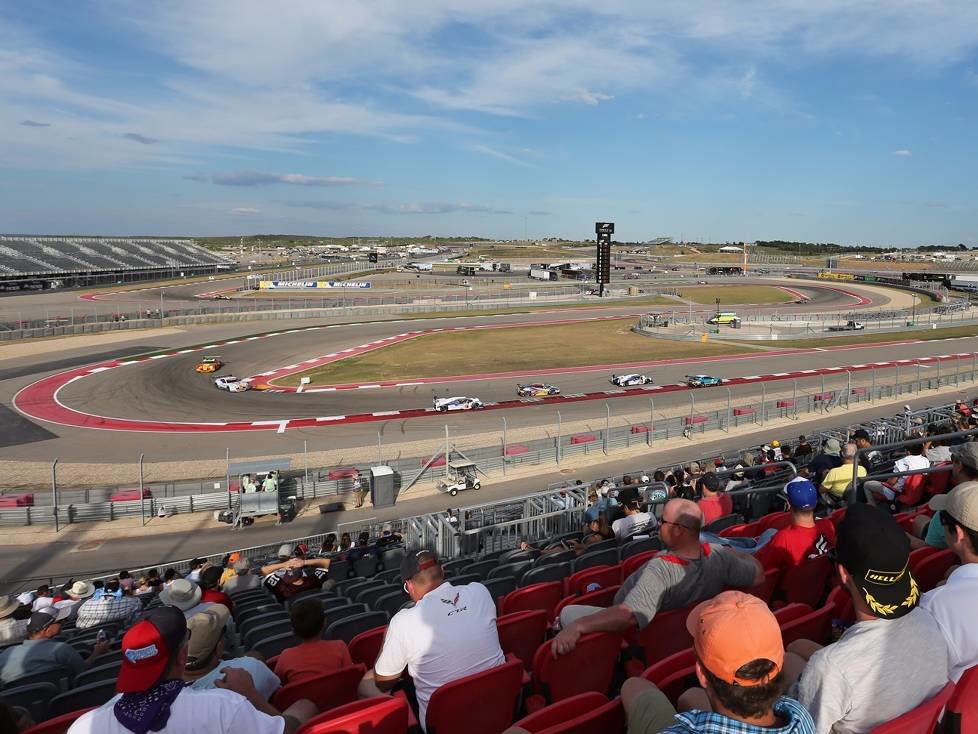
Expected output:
(805, 538)
(739, 662)
(837, 480)
(828, 458)
(155, 697)
(449, 633)
(843, 685)
(40, 653)
(634, 519)
(954, 603)
(12, 630)
(112, 606)
(205, 654)
(314, 656)
(687, 573)
(211, 589)
(243, 577)
(714, 502)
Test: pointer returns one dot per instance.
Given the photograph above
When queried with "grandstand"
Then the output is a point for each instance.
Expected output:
(33, 263)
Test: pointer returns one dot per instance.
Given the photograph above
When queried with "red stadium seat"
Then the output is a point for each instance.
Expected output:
(775, 520)
(791, 612)
(377, 715)
(912, 493)
(599, 598)
(841, 600)
(962, 709)
(326, 691)
(365, 647)
(814, 626)
(601, 575)
(805, 584)
(920, 720)
(634, 563)
(932, 569)
(937, 482)
(586, 713)
(483, 703)
(766, 590)
(59, 724)
(665, 635)
(545, 596)
(919, 554)
(836, 517)
(590, 666)
(521, 633)
(671, 675)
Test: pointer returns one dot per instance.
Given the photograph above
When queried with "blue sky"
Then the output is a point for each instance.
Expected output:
(844, 120)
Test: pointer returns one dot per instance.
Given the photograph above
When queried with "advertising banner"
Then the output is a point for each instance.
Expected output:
(294, 285)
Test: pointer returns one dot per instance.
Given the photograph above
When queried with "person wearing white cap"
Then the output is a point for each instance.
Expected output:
(77, 593)
(12, 630)
(953, 604)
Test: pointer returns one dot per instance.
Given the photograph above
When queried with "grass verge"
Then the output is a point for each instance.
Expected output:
(731, 295)
(508, 349)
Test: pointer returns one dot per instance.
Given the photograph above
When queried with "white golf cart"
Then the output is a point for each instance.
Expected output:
(461, 475)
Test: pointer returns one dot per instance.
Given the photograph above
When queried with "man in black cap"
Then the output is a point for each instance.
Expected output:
(448, 634)
(894, 657)
(156, 699)
(634, 520)
(40, 652)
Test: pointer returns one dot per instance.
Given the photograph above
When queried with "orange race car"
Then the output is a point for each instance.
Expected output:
(209, 364)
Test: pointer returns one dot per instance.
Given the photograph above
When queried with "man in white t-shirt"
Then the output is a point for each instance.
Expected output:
(634, 519)
(155, 698)
(449, 633)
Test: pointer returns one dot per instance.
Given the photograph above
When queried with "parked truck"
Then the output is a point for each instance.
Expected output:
(540, 274)
(849, 326)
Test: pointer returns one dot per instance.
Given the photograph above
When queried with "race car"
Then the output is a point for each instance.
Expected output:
(702, 381)
(231, 384)
(209, 364)
(630, 380)
(221, 297)
(459, 403)
(537, 390)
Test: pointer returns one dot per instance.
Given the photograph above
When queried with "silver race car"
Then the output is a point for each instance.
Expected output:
(443, 405)
(630, 380)
(231, 384)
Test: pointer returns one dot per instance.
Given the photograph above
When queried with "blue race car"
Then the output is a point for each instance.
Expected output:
(703, 381)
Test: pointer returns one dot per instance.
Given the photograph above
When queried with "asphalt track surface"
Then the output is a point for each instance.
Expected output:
(169, 389)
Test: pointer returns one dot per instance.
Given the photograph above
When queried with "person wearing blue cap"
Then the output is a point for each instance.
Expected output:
(805, 538)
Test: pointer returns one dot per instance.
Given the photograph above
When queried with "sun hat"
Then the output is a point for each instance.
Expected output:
(182, 594)
(82, 589)
(8, 605)
(206, 630)
(832, 447)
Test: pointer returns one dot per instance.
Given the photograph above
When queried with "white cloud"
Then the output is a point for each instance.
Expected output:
(245, 210)
(257, 178)
(903, 152)
(500, 155)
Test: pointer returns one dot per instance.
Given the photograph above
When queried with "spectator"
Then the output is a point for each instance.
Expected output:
(12, 630)
(934, 448)
(196, 565)
(599, 503)
(964, 471)
(805, 538)
(448, 634)
(346, 542)
(295, 576)
(329, 544)
(44, 597)
(185, 596)
(314, 655)
(658, 476)
(243, 577)
(889, 490)
(634, 520)
(828, 459)
(205, 654)
(837, 480)
(211, 590)
(776, 452)
(169, 576)
(155, 697)
(270, 482)
(39, 653)
(844, 685)
(803, 448)
(786, 454)
(111, 606)
(227, 566)
(76, 595)
(357, 488)
(598, 530)
(714, 502)
(686, 574)
(862, 440)
(739, 663)
(953, 604)
(125, 580)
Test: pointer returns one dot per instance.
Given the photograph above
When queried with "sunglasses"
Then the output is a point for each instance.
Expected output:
(677, 524)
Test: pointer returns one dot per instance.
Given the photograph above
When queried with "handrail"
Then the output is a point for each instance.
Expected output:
(942, 438)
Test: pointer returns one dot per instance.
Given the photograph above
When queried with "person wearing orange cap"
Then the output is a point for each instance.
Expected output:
(739, 660)
(229, 572)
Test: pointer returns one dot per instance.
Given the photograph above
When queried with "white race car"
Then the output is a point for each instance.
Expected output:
(459, 403)
(231, 384)
(630, 380)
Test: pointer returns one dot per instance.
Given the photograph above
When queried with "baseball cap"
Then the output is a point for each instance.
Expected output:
(415, 563)
(285, 550)
(832, 447)
(302, 550)
(206, 630)
(966, 453)
(876, 553)
(733, 629)
(718, 462)
(148, 647)
(961, 503)
(43, 618)
(801, 494)
(861, 433)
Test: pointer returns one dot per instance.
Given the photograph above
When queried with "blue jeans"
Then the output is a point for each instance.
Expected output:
(744, 545)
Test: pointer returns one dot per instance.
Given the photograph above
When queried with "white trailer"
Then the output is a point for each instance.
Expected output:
(541, 274)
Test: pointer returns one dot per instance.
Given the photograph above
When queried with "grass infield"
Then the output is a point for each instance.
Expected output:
(731, 295)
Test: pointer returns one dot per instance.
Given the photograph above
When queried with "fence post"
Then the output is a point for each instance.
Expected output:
(651, 421)
(848, 387)
(794, 396)
(558, 438)
(872, 390)
(305, 459)
(142, 501)
(227, 474)
(504, 446)
(763, 402)
(727, 427)
(54, 493)
(692, 407)
(447, 450)
(380, 449)
(896, 381)
(607, 425)
(938, 374)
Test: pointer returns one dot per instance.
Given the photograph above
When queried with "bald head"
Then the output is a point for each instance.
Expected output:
(684, 512)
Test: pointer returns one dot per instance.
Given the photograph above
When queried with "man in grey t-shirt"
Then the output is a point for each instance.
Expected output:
(687, 573)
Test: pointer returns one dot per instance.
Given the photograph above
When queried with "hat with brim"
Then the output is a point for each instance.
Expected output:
(182, 594)
(875, 551)
(966, 453)
(8, 605)
(82, 589)
(44, 618)
(206, 630)
(832, 447)
(961, 503)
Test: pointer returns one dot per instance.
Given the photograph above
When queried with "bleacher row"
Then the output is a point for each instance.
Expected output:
(573, 693)
(51, 256)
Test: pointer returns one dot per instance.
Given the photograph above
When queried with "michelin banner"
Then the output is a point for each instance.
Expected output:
(294, 285)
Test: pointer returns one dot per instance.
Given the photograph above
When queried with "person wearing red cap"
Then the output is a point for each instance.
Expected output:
(156, 699)
(739, 661)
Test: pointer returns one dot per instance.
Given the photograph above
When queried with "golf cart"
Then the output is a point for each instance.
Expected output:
(461, 475)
